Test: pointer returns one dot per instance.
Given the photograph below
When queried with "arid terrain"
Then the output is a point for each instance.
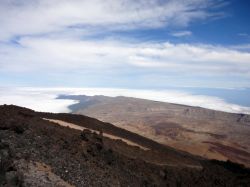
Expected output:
(203, 132)
(45, 149)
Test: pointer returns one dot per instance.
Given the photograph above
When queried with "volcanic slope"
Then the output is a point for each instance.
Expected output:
(208, 133)
(37, 152)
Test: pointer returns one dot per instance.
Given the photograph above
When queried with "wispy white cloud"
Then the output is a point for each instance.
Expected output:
(244, 35)
(53, 37)
(206, 59)
(181, 33)
(44, 99)
(32, 17)
(242, 47)
(48, 55)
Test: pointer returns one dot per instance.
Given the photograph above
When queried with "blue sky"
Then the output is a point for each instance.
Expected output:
(153, 44)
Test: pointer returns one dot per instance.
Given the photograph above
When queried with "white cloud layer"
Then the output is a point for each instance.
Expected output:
(44, 99)
(34, 99)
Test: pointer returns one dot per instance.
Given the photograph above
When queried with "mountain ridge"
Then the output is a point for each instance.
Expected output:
(203, 132)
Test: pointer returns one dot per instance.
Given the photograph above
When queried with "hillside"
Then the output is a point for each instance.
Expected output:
(37, 152)
(207, 133)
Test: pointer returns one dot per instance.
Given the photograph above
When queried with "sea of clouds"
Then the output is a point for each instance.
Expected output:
(45, 99)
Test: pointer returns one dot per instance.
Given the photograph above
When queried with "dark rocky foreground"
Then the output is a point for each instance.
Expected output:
(36, 152)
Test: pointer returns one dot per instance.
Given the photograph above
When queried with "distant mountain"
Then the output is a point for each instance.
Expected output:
(207, 133)
(52, 150)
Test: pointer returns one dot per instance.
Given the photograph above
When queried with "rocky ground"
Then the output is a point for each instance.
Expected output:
(208, 133)
(37, 152)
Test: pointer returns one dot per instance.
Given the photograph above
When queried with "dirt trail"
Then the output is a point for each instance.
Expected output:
(80, 128)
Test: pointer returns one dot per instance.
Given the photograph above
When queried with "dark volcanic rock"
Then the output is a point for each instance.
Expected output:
(36, 152)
